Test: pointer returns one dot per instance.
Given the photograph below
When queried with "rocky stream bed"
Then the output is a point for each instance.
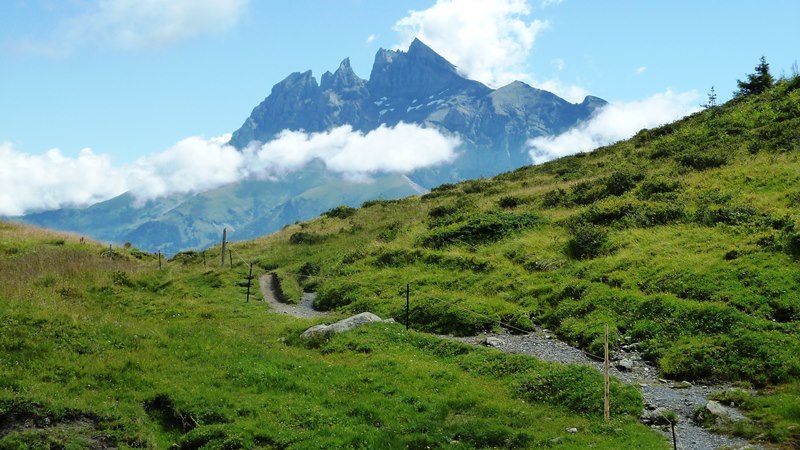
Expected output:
(682, 397)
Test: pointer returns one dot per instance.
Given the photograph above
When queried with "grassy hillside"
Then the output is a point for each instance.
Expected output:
(684, 239)
(103, 349)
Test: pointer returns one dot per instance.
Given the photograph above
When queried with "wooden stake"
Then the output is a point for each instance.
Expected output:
(224, 240)
(606, 383)
(159, 260)
(230, 253)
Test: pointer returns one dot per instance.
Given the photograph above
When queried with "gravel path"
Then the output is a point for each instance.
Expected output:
(304, 309)
(681, 397)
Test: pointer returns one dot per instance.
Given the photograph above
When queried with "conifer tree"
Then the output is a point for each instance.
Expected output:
(756, 82)
(712, 99)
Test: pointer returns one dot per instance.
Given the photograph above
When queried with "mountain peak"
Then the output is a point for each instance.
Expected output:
(420, 70)
(343, 79)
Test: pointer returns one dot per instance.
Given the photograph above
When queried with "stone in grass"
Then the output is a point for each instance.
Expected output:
(324, 331)
(715, 413)
(658, 416)
(572, 430)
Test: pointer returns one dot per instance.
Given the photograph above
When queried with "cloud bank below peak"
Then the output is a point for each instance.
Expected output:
(51, 181)
(614, 122)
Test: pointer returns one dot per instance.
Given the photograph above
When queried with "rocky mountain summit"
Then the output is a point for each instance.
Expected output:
(421, 87)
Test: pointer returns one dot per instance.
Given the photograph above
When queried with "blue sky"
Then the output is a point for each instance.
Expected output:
(131, 78)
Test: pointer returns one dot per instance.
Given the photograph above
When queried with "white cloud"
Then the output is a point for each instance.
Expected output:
(546, 3)
(489, 41)
(51, 181)
(138, 24)
(371, 38)
(641, 70)
(192, 165)
(614, 122)
(403, 148)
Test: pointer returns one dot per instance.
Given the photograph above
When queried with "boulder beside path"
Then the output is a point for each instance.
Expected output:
(343, 325)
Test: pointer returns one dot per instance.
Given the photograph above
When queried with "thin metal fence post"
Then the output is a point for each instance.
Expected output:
(249, 281)
(407, 302)
(606, 384)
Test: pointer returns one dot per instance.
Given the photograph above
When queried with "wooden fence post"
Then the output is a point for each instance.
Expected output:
(224, 241)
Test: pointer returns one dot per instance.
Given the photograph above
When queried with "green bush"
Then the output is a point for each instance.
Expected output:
(304, 237)
(480, 228)
(702, 160)
(793, 244)
(587, 241)
(586, 192)
(340, 212)
(510, 201)
(556, 197)
(625, 213)
(658, 185)
(621, 182)
(389, 232)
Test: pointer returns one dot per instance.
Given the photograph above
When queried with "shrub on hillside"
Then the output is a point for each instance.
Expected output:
(304, 237)
(371, 203)
(710, 214)
(621, 182)
(556, 197)
(587, 241)
(480, 228)
(477, 186)
(793, 244)
(587, 192)
(389, 232)
(510, 201)
(340, 212)
(625, 213)
(702, 160)
(658, 185)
